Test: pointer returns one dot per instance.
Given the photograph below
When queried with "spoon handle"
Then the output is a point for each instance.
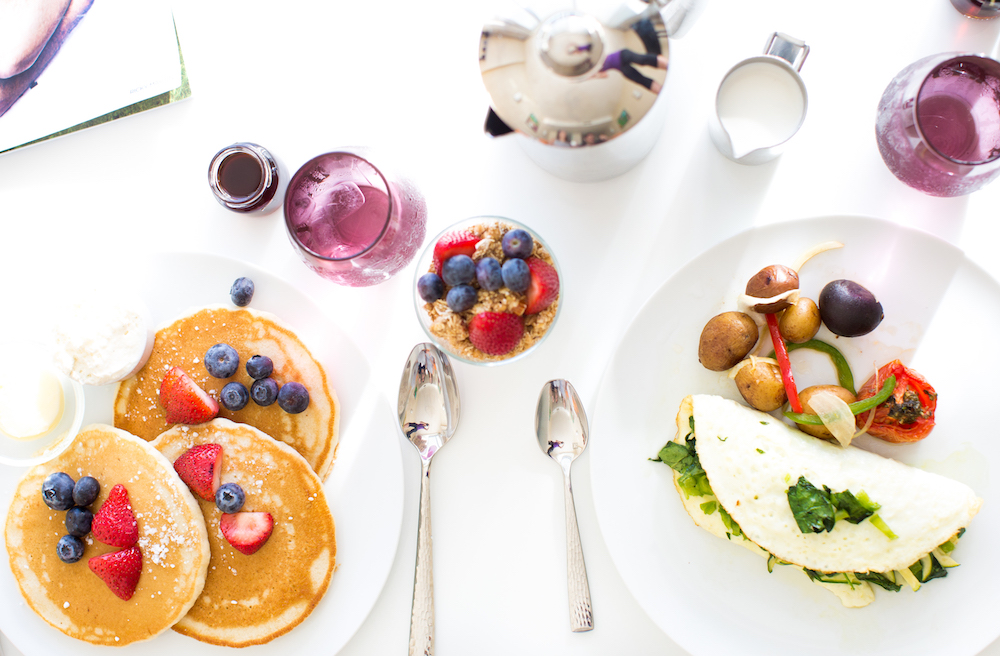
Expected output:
(422, 616)
(581, 615)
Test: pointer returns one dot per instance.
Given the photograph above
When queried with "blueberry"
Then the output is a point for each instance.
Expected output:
(57, 491)
(293, 398)
(241, 292)
(78, 521)
(458, 270)
(517, 243)
(234, 396)
(69, 548)
(85, 491)
(488, 274)
(259, 366)
(430, 287)
(516, 275)
(222, 361)
(229, 497)
(264, 391)
(461, 298)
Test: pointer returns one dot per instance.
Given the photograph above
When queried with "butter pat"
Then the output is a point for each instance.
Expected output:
(31, 396)
(102, 340)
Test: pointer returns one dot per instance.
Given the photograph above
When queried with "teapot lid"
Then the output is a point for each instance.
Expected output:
(571, 79)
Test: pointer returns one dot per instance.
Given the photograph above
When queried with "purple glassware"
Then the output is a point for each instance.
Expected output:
(351, 221)
(978, 8)
(938, 125)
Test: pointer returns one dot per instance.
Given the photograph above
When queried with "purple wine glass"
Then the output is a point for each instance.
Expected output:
(351, 221)
(938, 125)
(983, 9)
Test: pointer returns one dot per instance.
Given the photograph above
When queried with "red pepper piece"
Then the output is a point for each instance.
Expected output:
(781, 352)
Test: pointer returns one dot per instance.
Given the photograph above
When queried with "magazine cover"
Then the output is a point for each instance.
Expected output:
(70, 64)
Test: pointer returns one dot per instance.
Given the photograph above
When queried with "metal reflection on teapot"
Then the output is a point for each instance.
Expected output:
(580, 90)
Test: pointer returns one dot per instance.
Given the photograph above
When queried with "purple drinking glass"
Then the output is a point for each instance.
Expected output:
(352, 221)
(978, 8)
(938, 125)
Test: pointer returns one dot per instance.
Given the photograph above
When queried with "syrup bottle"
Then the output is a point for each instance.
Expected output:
(245, 177)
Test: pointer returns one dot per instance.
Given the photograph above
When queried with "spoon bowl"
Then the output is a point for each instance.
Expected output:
(561, 422)
(429, 410)
(562, 430)
(429, 406)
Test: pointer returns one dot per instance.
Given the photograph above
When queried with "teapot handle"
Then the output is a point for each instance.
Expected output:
(494, 126)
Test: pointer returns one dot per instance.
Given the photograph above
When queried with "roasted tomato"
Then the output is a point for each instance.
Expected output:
(908, 414)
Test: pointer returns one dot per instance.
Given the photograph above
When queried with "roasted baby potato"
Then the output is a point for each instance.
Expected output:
(800, 322)
(726, 339)
(759, 381)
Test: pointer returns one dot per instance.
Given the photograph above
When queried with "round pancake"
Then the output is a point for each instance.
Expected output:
(183, 343)
(252, 599)
(172, 538)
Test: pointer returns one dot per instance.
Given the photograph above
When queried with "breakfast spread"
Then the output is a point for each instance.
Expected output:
(271, 532)
(849, 518)
(124, 573)
(215, 349)
(491, 292)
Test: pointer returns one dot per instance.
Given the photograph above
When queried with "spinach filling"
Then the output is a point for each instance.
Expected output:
(816, 510)
(683, 459)
(925, 569)
(881, 580)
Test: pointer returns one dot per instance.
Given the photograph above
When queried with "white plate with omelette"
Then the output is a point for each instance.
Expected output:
(712, 597)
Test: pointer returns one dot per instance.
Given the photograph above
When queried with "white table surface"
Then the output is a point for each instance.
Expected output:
(305, 77)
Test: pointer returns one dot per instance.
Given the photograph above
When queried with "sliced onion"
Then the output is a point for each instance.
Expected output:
(814, 251)
(750, 360)
(748, 302)
(835, 414)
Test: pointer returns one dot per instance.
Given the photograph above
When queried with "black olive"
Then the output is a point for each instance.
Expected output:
(848, 309)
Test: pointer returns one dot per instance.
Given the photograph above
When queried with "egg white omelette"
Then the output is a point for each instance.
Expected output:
(751, 460)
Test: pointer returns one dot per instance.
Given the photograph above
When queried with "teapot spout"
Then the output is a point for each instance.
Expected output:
(494, 126)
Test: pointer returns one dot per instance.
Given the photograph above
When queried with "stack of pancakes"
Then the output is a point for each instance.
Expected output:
(216, 594)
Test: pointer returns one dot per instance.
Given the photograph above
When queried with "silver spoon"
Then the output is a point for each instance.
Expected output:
(561, 425)
(428, 414)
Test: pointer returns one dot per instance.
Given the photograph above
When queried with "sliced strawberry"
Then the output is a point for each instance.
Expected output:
(246, 531)
(544, 287)
(495, 333)
(201, 467)
(184, 401)
(114, 522)
(120, 570)
(459, 242)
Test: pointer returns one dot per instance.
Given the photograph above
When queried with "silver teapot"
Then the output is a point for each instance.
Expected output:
(580, 89)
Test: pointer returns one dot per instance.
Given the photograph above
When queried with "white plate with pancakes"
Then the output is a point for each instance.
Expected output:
(711, 597)
(364, 489)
